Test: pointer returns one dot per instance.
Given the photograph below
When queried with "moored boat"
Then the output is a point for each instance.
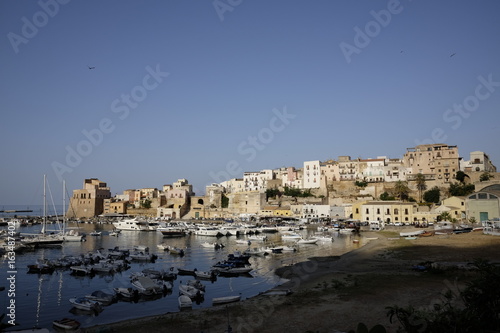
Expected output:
(185, 302)
(84, 303)
(225, 299)
(66, 324)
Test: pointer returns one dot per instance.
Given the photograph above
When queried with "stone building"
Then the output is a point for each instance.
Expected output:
(88, 201)
(438, 162)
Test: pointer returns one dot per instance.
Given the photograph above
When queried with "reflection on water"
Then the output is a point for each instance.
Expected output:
(40, 299)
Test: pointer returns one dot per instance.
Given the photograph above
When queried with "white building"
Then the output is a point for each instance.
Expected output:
(311, 175)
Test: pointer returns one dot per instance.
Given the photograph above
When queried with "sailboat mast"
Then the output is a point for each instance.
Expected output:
(64, 207)
(44, 221)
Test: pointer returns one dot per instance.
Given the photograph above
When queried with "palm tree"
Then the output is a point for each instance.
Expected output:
(401, 189)
(420, 180)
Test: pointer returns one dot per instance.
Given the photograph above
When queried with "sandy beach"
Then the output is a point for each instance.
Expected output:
(334, 294)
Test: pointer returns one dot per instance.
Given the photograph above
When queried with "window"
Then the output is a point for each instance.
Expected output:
(378, 210)
(396, 211)
(367, 211)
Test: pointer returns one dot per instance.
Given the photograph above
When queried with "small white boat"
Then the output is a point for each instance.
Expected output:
(190, 291)
(185, 302)
(243, 242)
(84, 303)
(95, 233)
(257, 238)
(162, 247)
(307, 241)
(256, 252)
(207, 275)
(141, 256)
(411, 233)
(101, 297)
(289, 249)
(141, 248)
(81, 270)
(197, 284)
(225, 299)
(126, 292)
(146, 285)
(291, 236)
(115, 233)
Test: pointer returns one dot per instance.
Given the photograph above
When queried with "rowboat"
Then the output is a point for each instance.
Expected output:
(84, 303)
(225, 299)
(66, 324)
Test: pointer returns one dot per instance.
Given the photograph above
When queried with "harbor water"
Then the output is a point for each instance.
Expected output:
(42, 298)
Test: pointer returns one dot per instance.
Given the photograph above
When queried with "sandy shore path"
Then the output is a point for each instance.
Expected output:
(334, 294)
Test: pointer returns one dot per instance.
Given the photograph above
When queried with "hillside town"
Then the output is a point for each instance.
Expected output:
(428, 181)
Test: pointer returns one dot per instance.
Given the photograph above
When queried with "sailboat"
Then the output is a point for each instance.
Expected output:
(44, 238)
(72, 235)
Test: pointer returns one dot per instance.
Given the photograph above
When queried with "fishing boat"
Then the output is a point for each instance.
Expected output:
(208, 231)
(197, 284)
(135, 225)
(84, 303)
(66, 324)
(101, 297)
(146, 285)
(411, 233)
(185, 302)
(307, 241)
(171, 231)
(256, 252)
(126, 292)
(206, 275)
(257, 238)
(225, 299)
(190, 291)
(175, 250)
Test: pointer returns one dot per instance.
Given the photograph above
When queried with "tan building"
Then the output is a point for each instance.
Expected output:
(438, 162)
(484, 204)
(89, 201)
(246, 202)
(115, 207)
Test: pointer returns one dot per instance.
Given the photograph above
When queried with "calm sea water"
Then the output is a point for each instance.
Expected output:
(36, 210)
(40, 299)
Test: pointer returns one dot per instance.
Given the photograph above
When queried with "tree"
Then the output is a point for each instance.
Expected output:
(146, 204)
(362, 183)
(386, 196)
(272, 192)
(485, 176)
(401, 190)
(433, 195)
(224, 201)
(420, 180)
(445, 216)
(458, 189)
(460, 176)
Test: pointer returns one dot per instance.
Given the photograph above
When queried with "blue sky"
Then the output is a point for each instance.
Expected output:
(205, 89)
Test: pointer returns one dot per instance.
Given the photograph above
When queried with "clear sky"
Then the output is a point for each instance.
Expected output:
(203, 90)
